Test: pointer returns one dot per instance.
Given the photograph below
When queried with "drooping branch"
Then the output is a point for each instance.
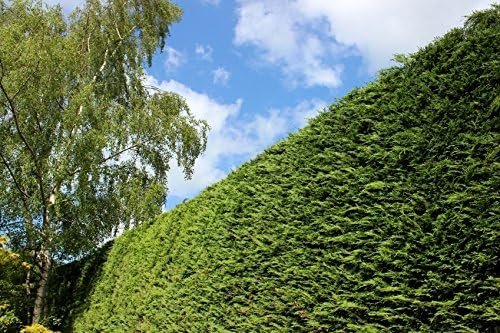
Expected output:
(24, 194)
(106, 52)
(104, 160)
(21, 135)
(25, 82)
(38, 123)
(121, 152)
(2, 69)
(106, 57)
(15, 116)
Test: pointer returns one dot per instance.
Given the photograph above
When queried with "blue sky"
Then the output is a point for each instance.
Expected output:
(256, 70)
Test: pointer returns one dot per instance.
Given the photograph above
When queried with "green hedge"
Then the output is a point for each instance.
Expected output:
(382, 215)
(71, 285)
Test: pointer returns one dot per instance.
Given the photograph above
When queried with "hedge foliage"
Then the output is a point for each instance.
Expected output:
(382, 215)
(70, 287)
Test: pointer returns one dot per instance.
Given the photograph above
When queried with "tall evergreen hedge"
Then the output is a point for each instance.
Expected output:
(382, 215)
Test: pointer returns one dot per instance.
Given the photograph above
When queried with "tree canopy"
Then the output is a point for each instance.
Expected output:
(86, 144)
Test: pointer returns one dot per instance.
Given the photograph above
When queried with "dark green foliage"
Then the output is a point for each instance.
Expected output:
(70, 287)
(13, 302)
(382, 215)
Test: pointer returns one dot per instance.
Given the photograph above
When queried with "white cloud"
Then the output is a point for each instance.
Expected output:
(264, 129)
(307, 38)
(174, 59)
(380, 29)
(204, 51)
(232, 136)
(274, 27)
(218, 115)
(221, 75)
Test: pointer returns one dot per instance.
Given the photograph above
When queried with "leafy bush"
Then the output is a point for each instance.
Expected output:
(12, 300)
(35, 328)
(381, 215)
(8, 318)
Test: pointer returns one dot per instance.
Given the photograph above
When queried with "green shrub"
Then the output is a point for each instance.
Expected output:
(8, 318)
(35, 328)
(12, 276)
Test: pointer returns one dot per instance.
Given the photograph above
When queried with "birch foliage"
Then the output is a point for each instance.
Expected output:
(85, 144)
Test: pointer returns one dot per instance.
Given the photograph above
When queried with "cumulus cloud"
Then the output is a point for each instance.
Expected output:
(264, 129)
(306, 38)
(275, 27)
(204, 51)
(380, 29)
(221, 76)
(173, 60)
(232, 136)
(218, 115)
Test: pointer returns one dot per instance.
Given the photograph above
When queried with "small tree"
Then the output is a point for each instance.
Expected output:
(85, 145)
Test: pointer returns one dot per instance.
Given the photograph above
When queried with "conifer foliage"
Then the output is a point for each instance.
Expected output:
(381, 215)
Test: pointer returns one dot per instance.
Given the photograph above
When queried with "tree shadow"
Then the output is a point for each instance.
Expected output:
(71, 285)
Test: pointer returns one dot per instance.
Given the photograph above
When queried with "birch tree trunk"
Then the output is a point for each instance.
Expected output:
(44, 262)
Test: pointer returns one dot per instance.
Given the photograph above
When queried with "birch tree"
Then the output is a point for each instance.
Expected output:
(85, 145)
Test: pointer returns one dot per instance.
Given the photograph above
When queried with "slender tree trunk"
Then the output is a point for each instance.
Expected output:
(28, 225)
(28, 294)
(44, 262)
